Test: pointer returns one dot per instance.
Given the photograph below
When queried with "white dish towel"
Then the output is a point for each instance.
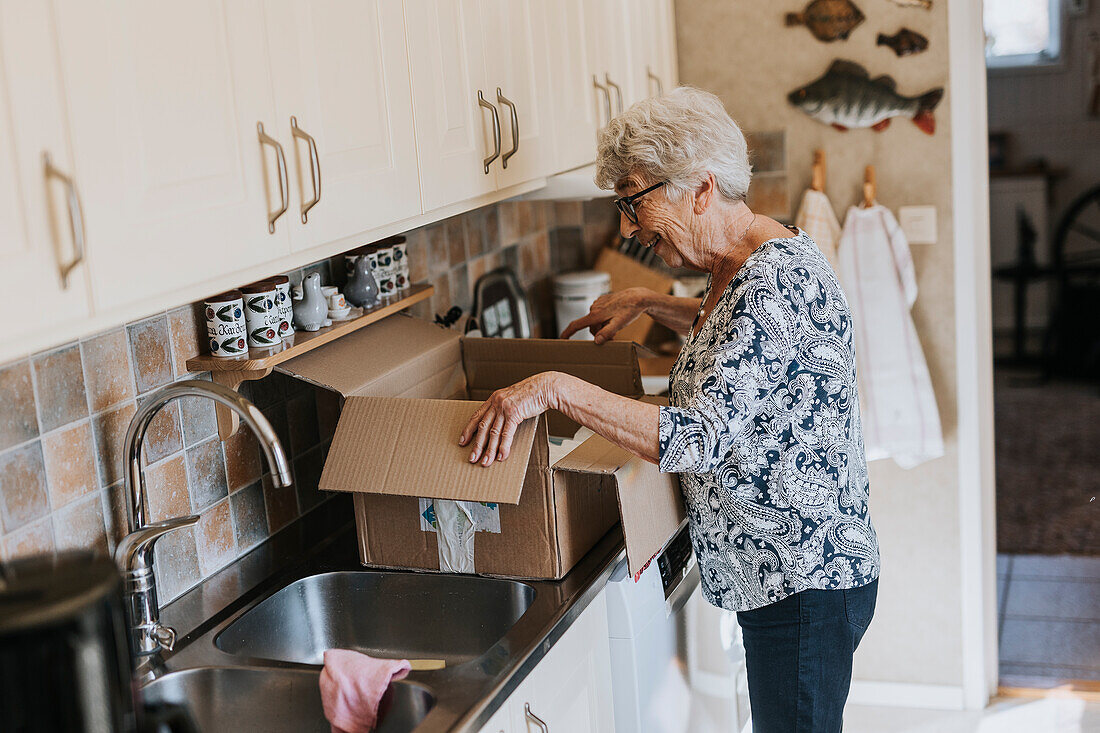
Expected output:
(816, 218)
(897, 405)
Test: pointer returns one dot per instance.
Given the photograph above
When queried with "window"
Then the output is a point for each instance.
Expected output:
(1022, 32)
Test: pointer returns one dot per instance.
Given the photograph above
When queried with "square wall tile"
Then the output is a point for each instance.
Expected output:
(108, 377)
(59, 378)
(206, 471)
(22, 486)
(439, 258)
(109, 430)
(281, 503)
(116, 513)
(508, 222)
(35, 538)
(419, 270)
(187, 330)
(166, 490)
(301, 417)
(456, 240)
(176, 564)
(215, 539)
(79, 526)
(151, 353)
(474, 223)
(568, 213)
(492, 229)
(69, 457)
(197, 418)
(243, 464)
(18, 419)
(307, 475)
(567, 249)
(249, 515)
(163, 437)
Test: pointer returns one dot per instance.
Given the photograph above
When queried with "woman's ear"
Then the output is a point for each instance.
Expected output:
(704, 194)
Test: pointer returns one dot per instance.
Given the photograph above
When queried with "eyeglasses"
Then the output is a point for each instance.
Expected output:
(625, 204)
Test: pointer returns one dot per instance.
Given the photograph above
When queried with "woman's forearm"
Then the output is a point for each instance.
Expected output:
(668, 310)
(628, 423)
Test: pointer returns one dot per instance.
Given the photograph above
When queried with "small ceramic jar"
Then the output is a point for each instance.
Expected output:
(286, 308)
(401, 264)
(225, 325)
(262, 314)
(387, 285)
(384, 253)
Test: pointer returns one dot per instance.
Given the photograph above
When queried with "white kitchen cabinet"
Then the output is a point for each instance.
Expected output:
(577, 105)
(164, 100)
(609, 54)
(518, 63)
(44, 275)
(570, 689)
(340, 69)
(501, 722)
(653, 68)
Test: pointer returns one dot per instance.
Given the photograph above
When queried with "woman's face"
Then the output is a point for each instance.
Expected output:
(662, 224)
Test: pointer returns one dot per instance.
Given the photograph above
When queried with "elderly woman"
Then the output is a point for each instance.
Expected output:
(763, 424)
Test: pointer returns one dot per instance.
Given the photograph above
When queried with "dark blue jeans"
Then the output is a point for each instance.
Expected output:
(798, 653)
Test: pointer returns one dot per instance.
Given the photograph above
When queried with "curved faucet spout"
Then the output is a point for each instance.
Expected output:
(249, 414)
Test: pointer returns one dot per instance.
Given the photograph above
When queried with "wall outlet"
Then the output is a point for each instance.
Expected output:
(918, 223)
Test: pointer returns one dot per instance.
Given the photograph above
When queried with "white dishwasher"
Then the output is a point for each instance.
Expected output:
(648, 669)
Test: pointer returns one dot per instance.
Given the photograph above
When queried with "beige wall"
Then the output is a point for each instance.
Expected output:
(742, 52)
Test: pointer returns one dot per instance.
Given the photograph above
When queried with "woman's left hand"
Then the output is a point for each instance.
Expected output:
(493, 425)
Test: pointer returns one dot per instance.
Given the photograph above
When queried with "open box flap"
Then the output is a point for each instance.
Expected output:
(399, 356)
(650, 503)
(388, 445)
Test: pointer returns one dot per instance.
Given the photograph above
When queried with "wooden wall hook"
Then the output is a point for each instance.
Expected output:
(817, 177)
(869, 187)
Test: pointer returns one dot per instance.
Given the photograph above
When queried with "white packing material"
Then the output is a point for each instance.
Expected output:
(455, 535)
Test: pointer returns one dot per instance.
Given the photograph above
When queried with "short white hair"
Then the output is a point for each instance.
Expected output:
(678, 137)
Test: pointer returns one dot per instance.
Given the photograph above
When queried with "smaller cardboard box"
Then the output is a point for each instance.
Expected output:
(627, 272)
(405, 384)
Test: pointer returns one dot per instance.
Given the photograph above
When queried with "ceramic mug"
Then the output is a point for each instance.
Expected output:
(286, 309)
(336, 301)
(225, 325)
(261, 314)
(401, 265)
(387, 285)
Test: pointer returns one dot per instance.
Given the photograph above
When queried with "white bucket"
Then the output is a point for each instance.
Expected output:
(574, 293)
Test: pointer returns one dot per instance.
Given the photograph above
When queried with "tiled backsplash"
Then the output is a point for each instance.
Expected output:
(64, 411)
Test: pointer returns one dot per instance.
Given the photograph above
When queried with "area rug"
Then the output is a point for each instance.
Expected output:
(1048, 465)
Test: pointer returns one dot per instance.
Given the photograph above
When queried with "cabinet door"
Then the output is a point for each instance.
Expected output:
(570, 689)
(517, 44)
(501, 722)
(36, 238)
(576, 102)
(164, 100)
(341, 70)
(454, 133)
(608, 24)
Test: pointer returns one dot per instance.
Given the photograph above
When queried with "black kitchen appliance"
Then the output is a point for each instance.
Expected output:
(64, 660)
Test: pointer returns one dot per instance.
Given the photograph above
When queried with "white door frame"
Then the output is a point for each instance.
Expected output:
(974, 349)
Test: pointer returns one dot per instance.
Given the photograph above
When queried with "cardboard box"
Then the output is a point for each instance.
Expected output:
(627, 272)
(404, 383)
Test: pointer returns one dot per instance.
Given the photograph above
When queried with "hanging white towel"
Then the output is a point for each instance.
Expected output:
(817, 218)
(897, 404)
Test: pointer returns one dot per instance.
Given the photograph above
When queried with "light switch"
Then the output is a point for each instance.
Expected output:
(918, 223)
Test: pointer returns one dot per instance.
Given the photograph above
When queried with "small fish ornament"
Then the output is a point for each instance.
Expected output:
(846, 96)
(904, 43)
(828, 20)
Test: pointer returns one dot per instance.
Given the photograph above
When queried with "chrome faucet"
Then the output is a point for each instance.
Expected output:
(135, 553)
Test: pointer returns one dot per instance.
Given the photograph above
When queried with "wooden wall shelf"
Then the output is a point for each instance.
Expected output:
(259, 363)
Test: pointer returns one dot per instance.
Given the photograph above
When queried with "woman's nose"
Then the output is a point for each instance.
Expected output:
(626, 227)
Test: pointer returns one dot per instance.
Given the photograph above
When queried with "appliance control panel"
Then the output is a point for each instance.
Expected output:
(675, 561)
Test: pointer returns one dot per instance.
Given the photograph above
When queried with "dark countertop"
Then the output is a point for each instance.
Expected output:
(467, 695)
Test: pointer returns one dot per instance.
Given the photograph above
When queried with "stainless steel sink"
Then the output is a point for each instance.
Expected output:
(274, 700)
(390, 615)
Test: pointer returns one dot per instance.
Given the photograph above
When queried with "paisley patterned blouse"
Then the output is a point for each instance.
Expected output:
(763, 427)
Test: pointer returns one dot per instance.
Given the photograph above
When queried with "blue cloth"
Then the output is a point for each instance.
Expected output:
(763, 427)
(798, 655)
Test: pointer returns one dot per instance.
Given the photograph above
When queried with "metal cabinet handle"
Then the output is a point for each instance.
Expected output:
(284, 199)
(618, 92)
(496, 130)
(76, 219)
(655, 79)
(515, 128)
(535, 719)
(314, 166)
(606, 96)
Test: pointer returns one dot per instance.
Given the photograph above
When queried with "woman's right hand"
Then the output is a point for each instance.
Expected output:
(610, 314)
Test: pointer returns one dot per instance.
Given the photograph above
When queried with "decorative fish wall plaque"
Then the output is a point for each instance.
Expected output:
(846, 96)
(904, 43)
(828, 20)
(923, 4)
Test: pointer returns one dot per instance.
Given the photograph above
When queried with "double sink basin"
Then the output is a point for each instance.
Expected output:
(265, 672)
